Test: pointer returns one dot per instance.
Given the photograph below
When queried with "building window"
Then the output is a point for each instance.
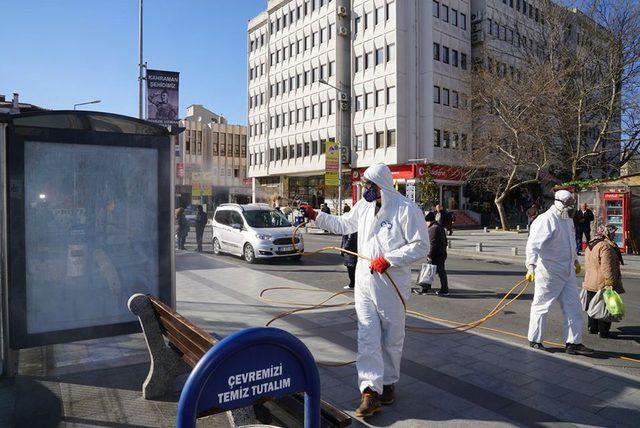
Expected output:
(445, 55)
(306, 149)
(445, 13)
(358, 63)
(446, 139)
(436, 51)
(292, 151)
(299, 150)
(463, 142)
(380, 140)
(454, 17)
(454, 57)
(358, 102)
(359, 142)
(368, 100)
(356, 24)
(391, 52)
(378, 15)
(391, 138)
(454, 101)
(379, 97)
(445, 96)
(368, 142)
(463, 61)
(454, 141)
(490, 23)
(367, 19)
(391, 95)
(436, 9)
(436, 138)
(391, 10)
(379, 56)
(332, 68)
(368, 60)
(314, 147)
(436, 94)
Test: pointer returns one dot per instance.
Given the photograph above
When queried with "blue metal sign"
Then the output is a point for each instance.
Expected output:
(254, 363)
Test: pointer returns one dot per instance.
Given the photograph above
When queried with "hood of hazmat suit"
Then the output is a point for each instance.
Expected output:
(398, 233)
(551, 252)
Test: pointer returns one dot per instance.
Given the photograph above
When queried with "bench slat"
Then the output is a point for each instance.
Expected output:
(198, 347)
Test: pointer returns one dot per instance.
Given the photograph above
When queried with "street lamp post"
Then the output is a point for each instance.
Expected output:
(84, 104)
(339, 137)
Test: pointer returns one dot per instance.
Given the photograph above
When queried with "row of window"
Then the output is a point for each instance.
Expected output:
(504, 33)
(315, 39)
(451, 16)
(502, 70)
(449, 98)
(449, 56)
(377, 140)
(299, 81)
(295, 116)
(376, 98)
(527, 9)
(303, 9)
(290, 151)
(371, 19)
(257, 71)
(450, 140)
(374, 58)
(225, 145)
(226, 172)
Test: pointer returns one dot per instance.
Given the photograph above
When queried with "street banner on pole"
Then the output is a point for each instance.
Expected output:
(162, 97)
(332, 157)
(201, 184)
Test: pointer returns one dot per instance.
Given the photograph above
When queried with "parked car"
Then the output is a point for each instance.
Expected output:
(254, 231)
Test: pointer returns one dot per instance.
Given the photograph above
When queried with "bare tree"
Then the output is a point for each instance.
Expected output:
(594, 53)
(511, 113)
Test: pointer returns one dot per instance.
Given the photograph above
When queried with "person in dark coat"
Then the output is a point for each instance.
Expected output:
(350, 242)
(201, 223)
(444, 218)
(582, 222)
(438, 251)
(183, 227)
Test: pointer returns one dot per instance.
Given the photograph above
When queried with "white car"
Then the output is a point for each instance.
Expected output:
(254, 231)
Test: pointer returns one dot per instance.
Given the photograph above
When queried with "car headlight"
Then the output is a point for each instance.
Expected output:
(264, 237)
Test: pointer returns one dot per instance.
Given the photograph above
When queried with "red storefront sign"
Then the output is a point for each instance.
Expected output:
(180, 170)
(438, 172)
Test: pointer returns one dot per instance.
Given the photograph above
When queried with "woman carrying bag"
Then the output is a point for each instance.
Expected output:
(602, 260)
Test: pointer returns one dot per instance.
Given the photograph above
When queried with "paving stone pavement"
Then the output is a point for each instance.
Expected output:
(464, 379)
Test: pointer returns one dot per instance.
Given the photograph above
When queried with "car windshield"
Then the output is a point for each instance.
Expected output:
(265, 218)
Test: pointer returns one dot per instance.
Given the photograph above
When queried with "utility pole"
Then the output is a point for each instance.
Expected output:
(140, 63)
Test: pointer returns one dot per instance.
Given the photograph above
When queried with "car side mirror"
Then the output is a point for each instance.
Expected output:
(237, 226)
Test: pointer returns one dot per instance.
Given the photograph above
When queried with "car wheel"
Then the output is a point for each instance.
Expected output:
(249, 254)
(216, 246)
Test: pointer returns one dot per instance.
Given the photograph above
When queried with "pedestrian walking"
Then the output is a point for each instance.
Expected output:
(393, 235)
(437, 254)
(602, 260)
(582, 222)
(183, 227)
(552, 264)
(201, 223)
(350, 242)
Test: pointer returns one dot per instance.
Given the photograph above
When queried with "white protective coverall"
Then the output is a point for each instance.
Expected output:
(551, 252)
(399, 234)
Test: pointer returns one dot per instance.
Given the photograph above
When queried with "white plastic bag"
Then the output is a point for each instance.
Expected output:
(427, 274)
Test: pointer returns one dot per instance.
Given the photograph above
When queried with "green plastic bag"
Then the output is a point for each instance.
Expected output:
(613, 302)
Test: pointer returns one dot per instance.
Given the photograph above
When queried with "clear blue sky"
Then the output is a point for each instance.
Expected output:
(59, 52)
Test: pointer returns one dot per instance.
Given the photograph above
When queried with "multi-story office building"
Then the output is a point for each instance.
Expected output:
(403, 68)
(214, 152)
(378, 56)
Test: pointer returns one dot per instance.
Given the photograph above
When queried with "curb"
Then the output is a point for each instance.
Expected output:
(515, 259)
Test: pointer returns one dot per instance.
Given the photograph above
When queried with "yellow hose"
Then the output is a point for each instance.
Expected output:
(457, 327)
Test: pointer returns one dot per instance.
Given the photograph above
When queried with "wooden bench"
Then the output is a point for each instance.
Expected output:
(187, 344)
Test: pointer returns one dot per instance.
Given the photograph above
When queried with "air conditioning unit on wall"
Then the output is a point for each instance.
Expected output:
(342, 31)
(342, 11)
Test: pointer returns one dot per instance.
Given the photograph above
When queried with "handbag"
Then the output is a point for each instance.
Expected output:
(598, 309)
(427, 274)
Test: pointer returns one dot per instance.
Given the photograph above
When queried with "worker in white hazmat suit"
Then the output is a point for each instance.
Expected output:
(551, 262)
(392, 232)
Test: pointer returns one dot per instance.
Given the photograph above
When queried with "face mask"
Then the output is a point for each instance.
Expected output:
(371, 194)
(567, 209)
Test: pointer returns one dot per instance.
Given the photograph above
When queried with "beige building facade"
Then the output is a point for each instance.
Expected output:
(214, 153)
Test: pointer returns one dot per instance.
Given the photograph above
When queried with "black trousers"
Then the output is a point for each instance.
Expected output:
(442, 274)
(199, 233)
(596, 326)
(583, 229)
(351, 270)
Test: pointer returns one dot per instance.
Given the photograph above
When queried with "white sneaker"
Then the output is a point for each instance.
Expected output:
(347, 287)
